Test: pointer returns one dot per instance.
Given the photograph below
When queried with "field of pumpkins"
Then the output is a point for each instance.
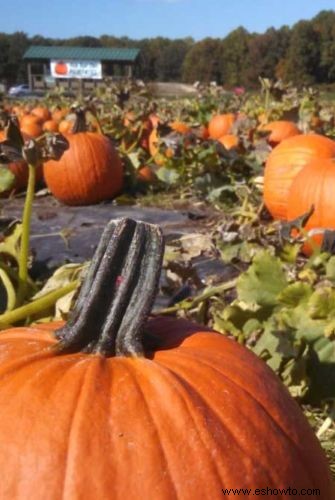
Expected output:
(107, 363)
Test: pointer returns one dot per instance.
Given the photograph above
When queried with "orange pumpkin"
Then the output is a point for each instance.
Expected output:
(20, 170)
(283, 164)
(42, 112)
(65, 126)
(29, 119)
(279, 131)
(90, 171)
(229, 141)
(220, 125)
(31, 130)
(59, 113)
(180, 127)
(97, 410)
(146, 174)
(314, 186)
(50, 126)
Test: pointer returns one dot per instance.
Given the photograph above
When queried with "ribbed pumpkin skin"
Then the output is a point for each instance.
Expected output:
(283, 164)
(314, 185)
(279, 131)
(200, 414)
(220, 125)
(88, 172)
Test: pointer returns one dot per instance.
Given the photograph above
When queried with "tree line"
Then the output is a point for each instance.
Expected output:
(303, 54)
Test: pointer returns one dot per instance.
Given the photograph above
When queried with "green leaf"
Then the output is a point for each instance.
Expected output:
(167, 175)
(325, 350)
(330, 269)
(322, 303)
(134, 160)
(252, 326)
(262, 283)
(295, 294)
(7, 179)
(289, 252)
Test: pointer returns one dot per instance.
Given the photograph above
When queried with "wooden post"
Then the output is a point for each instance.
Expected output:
(30, 77)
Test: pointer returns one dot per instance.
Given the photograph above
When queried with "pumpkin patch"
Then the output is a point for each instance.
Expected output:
(237, 349)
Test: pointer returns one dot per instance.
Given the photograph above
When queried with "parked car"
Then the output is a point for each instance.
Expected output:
(19, 90)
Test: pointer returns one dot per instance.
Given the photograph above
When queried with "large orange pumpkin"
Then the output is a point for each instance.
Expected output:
(106, 412)
(90, 171)
(220, 125)
(279, 131)
(284, 162)
(314, 186)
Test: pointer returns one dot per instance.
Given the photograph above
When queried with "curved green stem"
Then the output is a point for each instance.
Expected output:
(11, 297)
(37, 306)
(24, 248)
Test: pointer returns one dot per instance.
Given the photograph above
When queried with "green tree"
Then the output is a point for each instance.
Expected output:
(235, 57)
(202, 62)
(266, 53)
(303, 55)
(16, 67)
(324, 25)
(170, 59)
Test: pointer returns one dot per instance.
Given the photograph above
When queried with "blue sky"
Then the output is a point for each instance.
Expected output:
(149, 18)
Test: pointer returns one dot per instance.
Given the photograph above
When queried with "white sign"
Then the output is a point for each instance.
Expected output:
(76, 69)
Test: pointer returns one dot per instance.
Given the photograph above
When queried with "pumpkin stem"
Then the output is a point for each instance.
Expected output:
(80, 124)
(118, 292)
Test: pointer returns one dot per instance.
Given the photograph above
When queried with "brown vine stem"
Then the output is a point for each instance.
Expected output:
(191, 303)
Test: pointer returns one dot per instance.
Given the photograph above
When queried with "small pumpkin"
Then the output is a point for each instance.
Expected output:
(146, 174)
(29, 119)
(58, 114)
(229, 141)
(50, 126)
(220, 125)
(19, 168)
(283, 164)
(99, 409)
(279, 131)
(90, 171)
(180, 127)
(42, 112)
(66, 126)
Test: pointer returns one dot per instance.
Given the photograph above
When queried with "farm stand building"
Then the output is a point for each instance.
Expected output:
(76, 68)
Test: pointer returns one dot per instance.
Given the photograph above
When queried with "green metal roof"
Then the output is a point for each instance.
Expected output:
(84, 53)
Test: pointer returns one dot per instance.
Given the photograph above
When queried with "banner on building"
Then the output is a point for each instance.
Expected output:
(76, 69)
